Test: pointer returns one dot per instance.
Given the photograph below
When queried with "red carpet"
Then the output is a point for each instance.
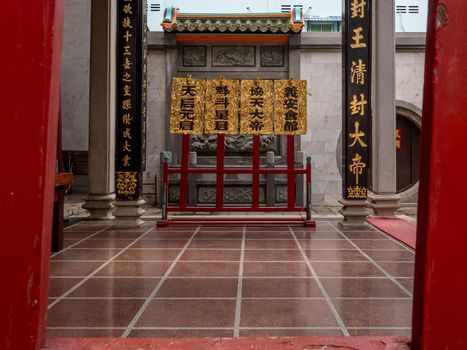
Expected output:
(400, 229)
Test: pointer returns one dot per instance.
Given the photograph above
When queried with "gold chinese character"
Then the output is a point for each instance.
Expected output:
(127, 36)
(126, 105)
(126, 90)
(127, 77)
(398, 139)
(358, 8)
(127, 118)
(357, 72)
(126, 148)
(127, 9)
(358, 36)
(126, 183)
(126, 134)
(357, 166)
(126, 64)
(357, 192)
(357, 136)
(127, 23)
(126, 160)
(358, 106)
(127, 50)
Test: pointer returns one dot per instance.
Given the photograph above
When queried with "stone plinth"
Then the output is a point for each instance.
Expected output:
(100, 207)
(355, 213)
(384, 205)
(129, 213)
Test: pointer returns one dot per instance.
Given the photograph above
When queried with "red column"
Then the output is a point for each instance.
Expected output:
(30, 56)
(440, 304)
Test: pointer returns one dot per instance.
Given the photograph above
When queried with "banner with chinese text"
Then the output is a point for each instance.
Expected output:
(290, 112)
(356, 99)
(222, 107)
(256, 107)
(187, 110)
(131, 98)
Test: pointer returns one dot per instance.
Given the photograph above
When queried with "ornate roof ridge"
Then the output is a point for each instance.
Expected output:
(274, 22)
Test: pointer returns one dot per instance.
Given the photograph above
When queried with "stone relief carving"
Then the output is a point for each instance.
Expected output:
(194, 56)
(233, 143)
(232, 195)
(233, 56)
(272, 56)
(281, 194)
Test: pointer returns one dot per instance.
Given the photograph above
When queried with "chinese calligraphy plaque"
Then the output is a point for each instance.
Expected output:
(222, 107)
(131, 97)
(256, 107)
(356, 99)
(188, 98)
(290, 112)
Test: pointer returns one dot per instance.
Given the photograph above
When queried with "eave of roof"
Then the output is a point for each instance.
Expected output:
(291, 22)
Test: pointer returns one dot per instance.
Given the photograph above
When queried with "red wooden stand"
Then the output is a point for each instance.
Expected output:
(220, 170)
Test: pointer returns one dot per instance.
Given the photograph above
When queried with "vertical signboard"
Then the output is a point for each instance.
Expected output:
(131, 98)
(290, 112)
(356, 124)
(221, 107)
(256, 107)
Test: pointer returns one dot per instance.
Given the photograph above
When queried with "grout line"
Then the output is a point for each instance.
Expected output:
(238, 306)
(393, 279)
(321, 287)
(246, 249)
(86, 278)
(158, 286)
(235, 298)
(80, 241)
(235, 277)
(245, 261)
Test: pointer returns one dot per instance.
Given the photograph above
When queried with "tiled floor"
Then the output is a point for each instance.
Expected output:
(229, 281)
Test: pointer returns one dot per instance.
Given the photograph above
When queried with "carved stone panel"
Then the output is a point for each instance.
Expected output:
(233, 56)
(234, 144)
(232, 195)
(194, 56)
(272, 56)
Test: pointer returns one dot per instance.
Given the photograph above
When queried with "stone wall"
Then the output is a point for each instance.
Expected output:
(75, 75)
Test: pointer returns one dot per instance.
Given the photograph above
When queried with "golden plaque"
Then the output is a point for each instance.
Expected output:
(222, 107)
(290, 112)
(256, 107)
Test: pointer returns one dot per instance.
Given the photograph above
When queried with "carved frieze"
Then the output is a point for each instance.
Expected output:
(234, 144)
(232, 195)
(233, 56)
(272, 56)
(194, 56)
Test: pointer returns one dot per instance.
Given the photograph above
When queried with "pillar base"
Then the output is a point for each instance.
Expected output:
(355, 214)
(100, 207)
(384, 205)
(129, 213)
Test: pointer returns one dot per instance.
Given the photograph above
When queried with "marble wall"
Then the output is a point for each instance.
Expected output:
(75, 75)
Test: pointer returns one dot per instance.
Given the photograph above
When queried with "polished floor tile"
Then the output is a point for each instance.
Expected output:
(377, 244)
(374, 313)
(218, 244)
(270, 244)
(280, 288)
(87, 254)
(407, 283)
(276, 269)
(126, 268)
(205, 269)
(362, 288)
(188, 313)
(390, 255)
(199, 287)
(58, 286)
(326, 244)
(93, 312)
(318, 235)
(286, 313)
(72, 268)
(181, 333)
(334, 255)
(399, 269)
(287, 332)
(149, 254)
(365, 235)
(160, 243)
(346, 269)
(219, 255)
(269, 235)
(105, 243)
(85, 333)
(116, 288)
(273, 255)
(384, 332)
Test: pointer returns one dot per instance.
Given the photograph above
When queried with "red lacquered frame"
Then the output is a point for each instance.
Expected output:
(220, 170)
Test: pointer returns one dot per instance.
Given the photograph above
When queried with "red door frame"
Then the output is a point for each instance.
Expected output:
(440, 304)
(31, 57)
(31, 53)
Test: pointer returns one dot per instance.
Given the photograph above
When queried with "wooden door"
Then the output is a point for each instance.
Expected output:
(408, 153)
